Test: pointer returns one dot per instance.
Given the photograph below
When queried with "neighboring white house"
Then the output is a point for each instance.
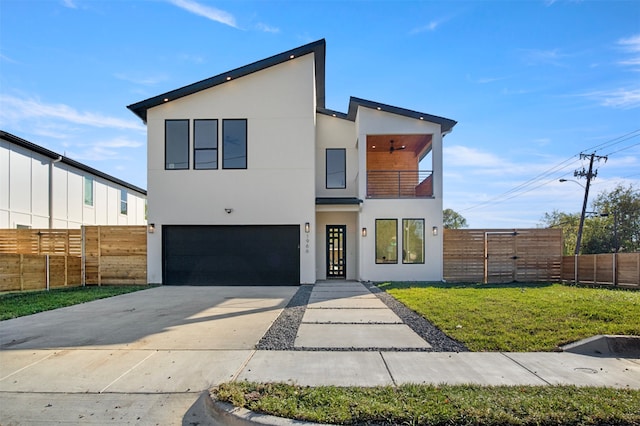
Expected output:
(252, 180)
(42, 189)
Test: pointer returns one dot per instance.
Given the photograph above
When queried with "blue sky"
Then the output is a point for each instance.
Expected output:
(531, 83)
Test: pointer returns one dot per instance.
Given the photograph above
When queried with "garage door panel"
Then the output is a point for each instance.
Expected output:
(231, 255)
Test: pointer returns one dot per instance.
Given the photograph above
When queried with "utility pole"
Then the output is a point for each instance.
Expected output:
(591, 174)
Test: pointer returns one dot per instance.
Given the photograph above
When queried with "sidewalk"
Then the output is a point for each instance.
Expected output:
(349, 337)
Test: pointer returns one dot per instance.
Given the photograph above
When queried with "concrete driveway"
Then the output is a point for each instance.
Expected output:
(139, 358)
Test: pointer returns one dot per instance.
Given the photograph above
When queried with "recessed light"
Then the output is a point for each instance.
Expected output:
(228, 78)
(292, 56)
(379, 109)
(421, 118)
(166, 99)
(373, 146)
(333, 115)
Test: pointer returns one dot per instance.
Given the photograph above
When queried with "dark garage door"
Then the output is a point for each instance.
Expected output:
(231, 255)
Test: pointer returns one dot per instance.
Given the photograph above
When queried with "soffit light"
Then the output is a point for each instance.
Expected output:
(228, 78)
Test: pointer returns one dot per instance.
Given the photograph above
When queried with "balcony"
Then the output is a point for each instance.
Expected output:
(399, 184)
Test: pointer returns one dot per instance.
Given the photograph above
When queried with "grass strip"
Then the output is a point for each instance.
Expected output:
(438, 405)
(14, 305)
(521, 317)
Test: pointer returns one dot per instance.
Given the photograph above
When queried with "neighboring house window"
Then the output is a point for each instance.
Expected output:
(234, 144)
(386, 241)
(123, 201)
(176, 144)
(88, 191)
(336, 168)
(412, 240)
(205, 144)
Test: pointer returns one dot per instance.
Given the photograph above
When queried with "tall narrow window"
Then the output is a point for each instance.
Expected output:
(412, 240)
(336, 168)
(88, 191)
(123, 201)
(176, 144)
(205, 144)
(234, 144)
(386, 241)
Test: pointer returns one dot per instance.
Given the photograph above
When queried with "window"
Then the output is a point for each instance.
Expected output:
(205, 144)
(413, 241)
(176, 144)
(123, 201)
(234, 144)
(336, 168)
(386, 241)
(88, 191)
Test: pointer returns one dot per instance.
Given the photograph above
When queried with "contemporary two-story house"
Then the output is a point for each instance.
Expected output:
(252, 181)
(40, 188)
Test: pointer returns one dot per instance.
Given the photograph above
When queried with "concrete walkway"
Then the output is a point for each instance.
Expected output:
(149, 357)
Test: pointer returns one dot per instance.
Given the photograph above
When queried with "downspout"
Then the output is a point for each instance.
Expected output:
(51, 163)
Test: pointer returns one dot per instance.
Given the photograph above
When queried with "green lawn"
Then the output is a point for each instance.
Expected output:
(439, 405)
(521, 317)
(13, 305)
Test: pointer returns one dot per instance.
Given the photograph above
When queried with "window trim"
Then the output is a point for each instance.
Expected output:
(196, 149)
(85, 180)
(404, 248)
(326, 168)
(394, 262)
(124, 202)
(166, 164)
(246, 144)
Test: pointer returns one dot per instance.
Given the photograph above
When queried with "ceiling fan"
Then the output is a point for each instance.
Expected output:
(393, 148)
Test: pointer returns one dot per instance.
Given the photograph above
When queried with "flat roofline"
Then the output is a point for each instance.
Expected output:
(55, 156)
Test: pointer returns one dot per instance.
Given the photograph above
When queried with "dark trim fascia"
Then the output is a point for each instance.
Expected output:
(322, 201)
(54, 156)
(446, 124)
(332, 113)
(318, 48)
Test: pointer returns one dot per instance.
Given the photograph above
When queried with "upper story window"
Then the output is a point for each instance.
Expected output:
(123, 201)
(234, 144)
(88, 191)
(205, 144)
(336, 168)
(176, 144)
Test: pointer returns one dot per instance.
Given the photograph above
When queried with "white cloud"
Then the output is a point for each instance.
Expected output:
(631, 45)
(103, 150)
(623, 98)
(16, 110)
(70, 4)
(5, 58)
(430, 26)
(462, 156)
(267, 28)
(544, 57)
(208, 12)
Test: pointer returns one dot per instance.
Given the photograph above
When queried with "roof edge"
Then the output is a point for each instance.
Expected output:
(318, 48)
(55, 156)
(446, 124)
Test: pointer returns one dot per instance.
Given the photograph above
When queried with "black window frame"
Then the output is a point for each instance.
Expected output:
(166, 163)
(246, 143)
(344, 168)
(387, 262)
(195, 144)
(404, 242)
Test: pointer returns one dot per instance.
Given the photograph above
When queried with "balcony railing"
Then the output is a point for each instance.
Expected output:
(399, 183)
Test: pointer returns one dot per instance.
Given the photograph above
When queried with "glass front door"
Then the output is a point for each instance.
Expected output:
(336, 251)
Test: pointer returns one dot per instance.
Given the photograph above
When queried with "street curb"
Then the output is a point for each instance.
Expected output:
(228, 414)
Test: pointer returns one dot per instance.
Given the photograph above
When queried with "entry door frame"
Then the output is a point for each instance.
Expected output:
(336, 262)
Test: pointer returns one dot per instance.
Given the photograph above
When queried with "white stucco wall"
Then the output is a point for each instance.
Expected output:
(333, 132)
(24, 194)
(277, 188)
(373, 122)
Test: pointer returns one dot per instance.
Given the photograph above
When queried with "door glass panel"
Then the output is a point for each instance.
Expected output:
(336, 253)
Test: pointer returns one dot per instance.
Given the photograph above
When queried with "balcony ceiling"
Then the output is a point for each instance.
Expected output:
(414, 143)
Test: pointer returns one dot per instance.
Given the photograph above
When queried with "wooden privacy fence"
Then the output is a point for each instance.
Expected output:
(502, 255)
(615, 269)
(95, 255)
